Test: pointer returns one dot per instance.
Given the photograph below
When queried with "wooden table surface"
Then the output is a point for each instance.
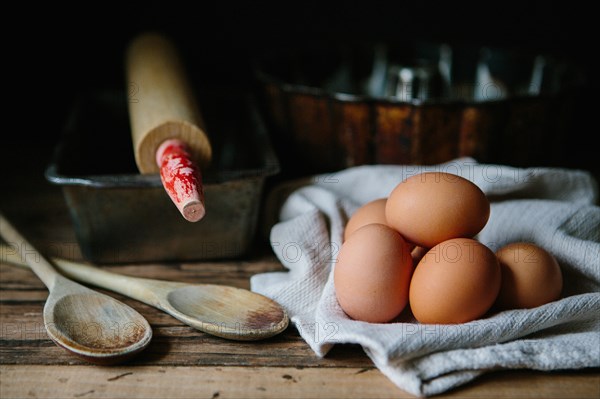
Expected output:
(182, 362)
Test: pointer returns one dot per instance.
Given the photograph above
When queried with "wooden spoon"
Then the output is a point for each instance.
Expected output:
(223, 311)
(87, 323)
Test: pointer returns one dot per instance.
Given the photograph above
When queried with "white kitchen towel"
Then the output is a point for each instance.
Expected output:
(554, 208)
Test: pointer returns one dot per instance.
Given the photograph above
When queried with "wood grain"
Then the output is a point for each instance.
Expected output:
(184, 362)
(268, 382)
(218, 309)
(165, 106)
(89, 324)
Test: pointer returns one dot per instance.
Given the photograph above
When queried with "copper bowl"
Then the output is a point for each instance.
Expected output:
(333, 108)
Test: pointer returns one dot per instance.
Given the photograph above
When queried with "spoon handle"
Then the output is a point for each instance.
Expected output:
(40, 266)
(141, 289)
(144, 290)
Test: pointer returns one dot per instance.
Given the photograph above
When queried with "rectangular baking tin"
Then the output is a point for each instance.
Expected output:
(121, 216)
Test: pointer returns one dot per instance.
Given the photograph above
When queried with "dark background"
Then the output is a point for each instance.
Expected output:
(58, 54)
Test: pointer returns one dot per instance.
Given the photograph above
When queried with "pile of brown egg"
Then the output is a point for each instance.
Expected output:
(417, 249)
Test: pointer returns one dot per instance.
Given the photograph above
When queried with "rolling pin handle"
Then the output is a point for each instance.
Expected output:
(181, 178)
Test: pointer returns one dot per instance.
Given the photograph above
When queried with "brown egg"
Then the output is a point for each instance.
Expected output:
(372, 274)
(531, 276)
(433, 207)
(456, 281)
(371, 212)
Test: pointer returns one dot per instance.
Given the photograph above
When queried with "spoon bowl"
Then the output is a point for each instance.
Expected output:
(94, 326)
(227, 312)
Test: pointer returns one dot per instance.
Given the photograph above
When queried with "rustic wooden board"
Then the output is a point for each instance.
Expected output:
(268, 382)
(183, 362)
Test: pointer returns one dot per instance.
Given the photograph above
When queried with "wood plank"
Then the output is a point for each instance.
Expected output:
(15, 278)
(181, 361)
(23, 340)
(23, 313)
(186, 346)
(235, 274)
(268, 382)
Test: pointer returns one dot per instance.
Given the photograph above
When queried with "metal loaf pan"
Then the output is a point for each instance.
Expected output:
(122, 216)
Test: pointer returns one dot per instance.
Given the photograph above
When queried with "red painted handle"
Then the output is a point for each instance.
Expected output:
(181, 178)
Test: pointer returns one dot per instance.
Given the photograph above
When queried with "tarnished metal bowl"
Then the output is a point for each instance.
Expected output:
(333, 108)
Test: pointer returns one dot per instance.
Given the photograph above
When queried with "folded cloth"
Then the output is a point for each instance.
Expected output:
(552, 207)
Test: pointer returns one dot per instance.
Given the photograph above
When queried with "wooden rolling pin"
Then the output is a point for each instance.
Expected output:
(166, 124)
